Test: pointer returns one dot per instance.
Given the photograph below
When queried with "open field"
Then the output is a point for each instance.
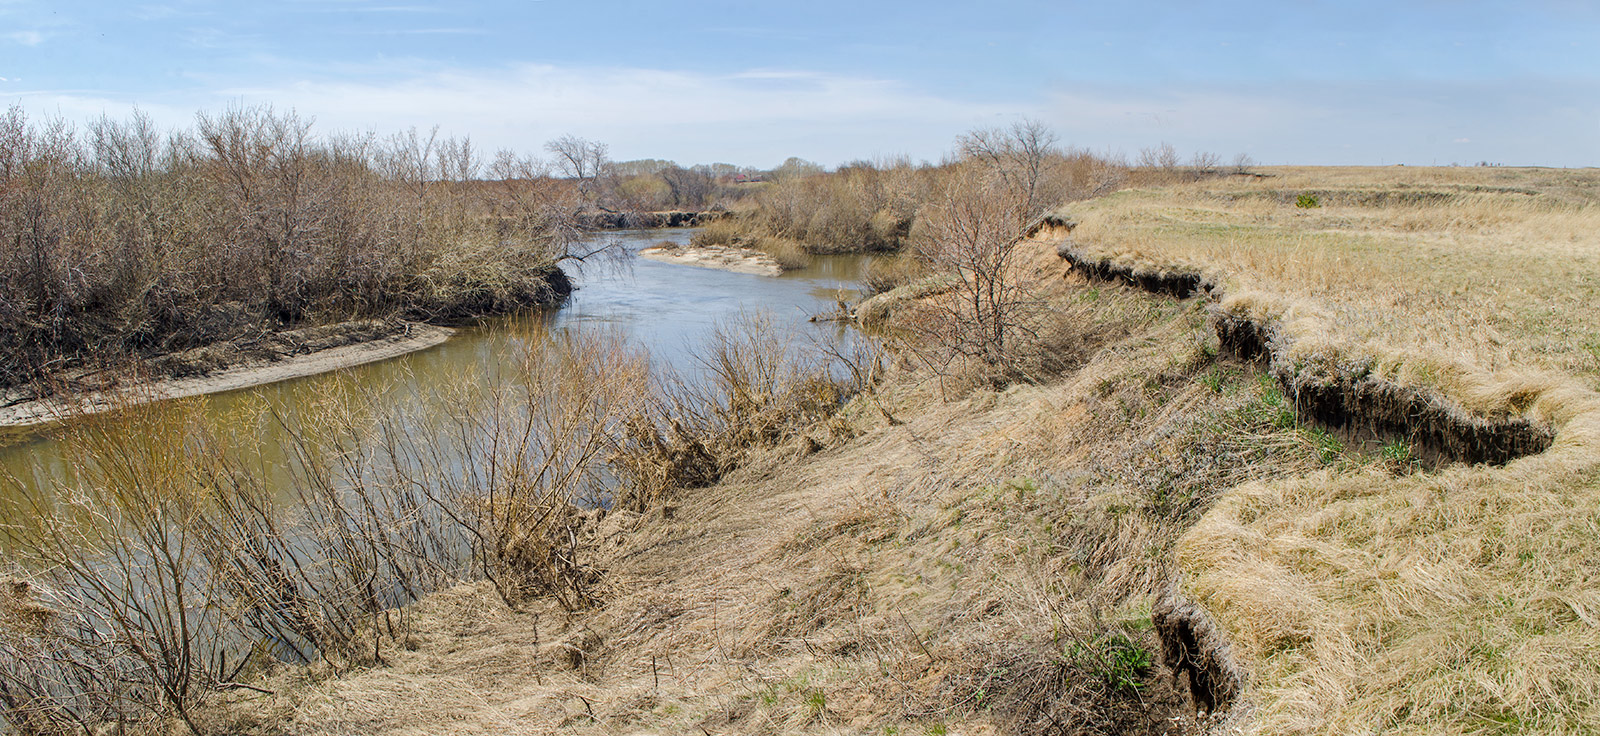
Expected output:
(1454, 601)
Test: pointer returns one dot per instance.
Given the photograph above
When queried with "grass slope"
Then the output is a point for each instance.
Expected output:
(990, 563)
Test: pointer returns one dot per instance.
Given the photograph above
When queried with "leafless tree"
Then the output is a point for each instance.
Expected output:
(1243, 163)
(972, 230)
(582, 160)
(1163, 157)
(689, 188)
(1205, 162)
(1020, 155)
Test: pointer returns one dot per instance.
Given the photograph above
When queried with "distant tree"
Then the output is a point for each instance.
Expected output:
(1019, 154)
(1242, 163)
(689, 188)
(1163, 157)
(719, 169)
(1205, 163)
(641, 167)
(796, 167)
(582, 160)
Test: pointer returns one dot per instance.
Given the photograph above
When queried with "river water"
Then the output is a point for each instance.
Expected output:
(666, 308)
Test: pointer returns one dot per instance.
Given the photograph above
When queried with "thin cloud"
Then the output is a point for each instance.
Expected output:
(758, 117)
(26, 38)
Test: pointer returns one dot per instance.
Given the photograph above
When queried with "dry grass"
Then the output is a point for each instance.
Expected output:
(987, 560)
(1456, 601)
(935, 574)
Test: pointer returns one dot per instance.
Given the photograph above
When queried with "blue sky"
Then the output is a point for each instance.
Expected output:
(754, 82)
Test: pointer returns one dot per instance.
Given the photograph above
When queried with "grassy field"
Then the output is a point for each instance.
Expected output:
(943, 556)
(1455, 601)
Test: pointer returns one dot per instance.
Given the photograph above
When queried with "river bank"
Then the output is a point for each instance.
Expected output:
(1022, 559)
(215, 369)
(649, 220)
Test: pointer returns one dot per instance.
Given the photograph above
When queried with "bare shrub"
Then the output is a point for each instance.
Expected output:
(753, 389)
(1205, 163)
(971, 232)
(126, 242)
(161, 573)
(1020, 156)
(1243, 163)
(532, 452)
(1163, 157)
(121, 571)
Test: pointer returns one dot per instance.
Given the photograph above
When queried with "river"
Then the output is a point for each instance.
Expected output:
(665, 308)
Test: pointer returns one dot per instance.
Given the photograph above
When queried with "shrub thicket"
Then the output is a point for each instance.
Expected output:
(123, 241)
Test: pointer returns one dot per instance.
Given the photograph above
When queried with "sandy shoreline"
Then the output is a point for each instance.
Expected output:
(726, 258)
(244, 375)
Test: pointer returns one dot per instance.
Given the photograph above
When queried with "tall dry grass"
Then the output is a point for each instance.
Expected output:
(163, 573)
(1455, 600)
(166, 571)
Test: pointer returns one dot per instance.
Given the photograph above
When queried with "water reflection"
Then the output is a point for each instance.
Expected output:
(668, 309)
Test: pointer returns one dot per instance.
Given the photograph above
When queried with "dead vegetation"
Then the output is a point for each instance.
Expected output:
(1415, 602)
(123, 242)
(933, 574)
(1148, 537)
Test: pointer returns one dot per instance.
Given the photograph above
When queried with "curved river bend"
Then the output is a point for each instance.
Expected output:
(666, 308)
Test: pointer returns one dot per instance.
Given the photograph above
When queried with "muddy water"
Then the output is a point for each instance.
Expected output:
(666, 308)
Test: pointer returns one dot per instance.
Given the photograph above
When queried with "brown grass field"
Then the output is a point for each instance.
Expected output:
(952, 558)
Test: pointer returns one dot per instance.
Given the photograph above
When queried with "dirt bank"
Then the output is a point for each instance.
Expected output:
(214, 369)
(647, 220)
(727, 258)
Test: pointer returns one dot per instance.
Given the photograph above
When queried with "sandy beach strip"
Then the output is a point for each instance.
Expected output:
(245, 375)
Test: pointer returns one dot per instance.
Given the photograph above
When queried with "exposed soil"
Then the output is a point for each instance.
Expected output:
(1345, 399)
(269, 358)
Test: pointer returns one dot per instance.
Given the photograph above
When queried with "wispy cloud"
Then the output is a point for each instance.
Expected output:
(758, 117)
(26, 38)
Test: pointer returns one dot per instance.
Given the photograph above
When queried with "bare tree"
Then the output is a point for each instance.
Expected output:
(1205, 163)
(1242, 163)
(1163, 157)
(688, 187)
(1019, 154)
(582, 160)
(972, 230)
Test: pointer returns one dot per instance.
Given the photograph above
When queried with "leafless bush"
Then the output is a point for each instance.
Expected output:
(1163, 157)
(529, 456)
(160, 573)
(126, 242)
(1020, 156)
(971, 232)
(1243, 163)
(753, 389)
(1205, 163)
